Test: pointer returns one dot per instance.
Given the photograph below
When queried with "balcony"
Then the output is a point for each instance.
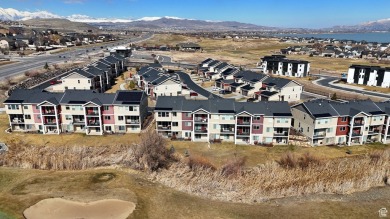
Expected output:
(93, 123)
(243, 132)
(161, 127)
(200, 119)
(129, 121)
(92, 113)
(356, 134)
(243, 121)
(50, 122)
(358, 122)
(281, 134)
(48, 111)
(78, 121)
(17, 120)
(200, 130)
(319, 134)
(227, 131)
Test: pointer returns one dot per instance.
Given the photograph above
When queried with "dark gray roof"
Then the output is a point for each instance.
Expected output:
(247, 87)
(79, 97)
(327, 108)
(277, 82)
(229, 71)
(213, 63)
(250, 76)
(268, 93)
(222, 65)
(206, 61)
(268, 108)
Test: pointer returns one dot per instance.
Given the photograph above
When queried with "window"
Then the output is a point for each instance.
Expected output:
(133, 108)
(27, 116)
(13, 107)
(28, 127)
(121, 128)
(187, 123)
(344, 119)
(342, 128)
(188, 114)
(174, 114)
(25, 107)
(163, 114)
(89, 81)
(78, 81)
(106, 108)
(187, 134)
(108, 128)
(329, 130)
(37, 107)
(68, 117)
(257, 118)
(38, 117)
(67, 108)
(175, 124)
(308, 129)
(299, 124)
(256, 127)
(120, 118)
(107, 117)
(268, 129)
(256, 138)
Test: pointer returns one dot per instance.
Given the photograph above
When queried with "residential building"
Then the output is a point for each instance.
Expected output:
(223, 120)
(279, 89)
(280, 65)
(369, 75)
(326, 122)
(76, 111)
(188, 46)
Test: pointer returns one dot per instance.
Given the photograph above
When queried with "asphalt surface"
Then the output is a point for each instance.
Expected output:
(186, 79)
(326, 82)
(33, 62)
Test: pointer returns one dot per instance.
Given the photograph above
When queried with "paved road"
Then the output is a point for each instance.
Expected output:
(186, 79)
(28, 63)
(326, 82)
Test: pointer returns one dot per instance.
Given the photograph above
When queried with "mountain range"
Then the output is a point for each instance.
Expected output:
(175, 23)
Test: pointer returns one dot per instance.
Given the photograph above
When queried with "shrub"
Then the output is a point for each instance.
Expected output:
(308, 160)
(288, 160)
(233, 167)
(196, 161)
(151, 152)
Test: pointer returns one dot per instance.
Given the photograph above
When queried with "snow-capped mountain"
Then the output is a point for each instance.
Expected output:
(15, 15)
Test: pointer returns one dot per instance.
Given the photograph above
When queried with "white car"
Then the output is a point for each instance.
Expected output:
(215, 88)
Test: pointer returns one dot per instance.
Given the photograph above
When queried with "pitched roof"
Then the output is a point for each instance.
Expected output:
(179, 103)
(277, 82)
(250, 76)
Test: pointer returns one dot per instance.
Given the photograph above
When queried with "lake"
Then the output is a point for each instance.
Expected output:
(380, 37)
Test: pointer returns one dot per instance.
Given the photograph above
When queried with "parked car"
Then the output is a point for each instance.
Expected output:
(215, 88)
(251, 100)
(52, 82)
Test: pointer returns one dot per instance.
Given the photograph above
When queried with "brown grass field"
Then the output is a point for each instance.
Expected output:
(247, 52)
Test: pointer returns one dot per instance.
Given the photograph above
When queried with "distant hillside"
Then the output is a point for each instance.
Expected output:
(59, 23)
(165, 23)
(379, 25)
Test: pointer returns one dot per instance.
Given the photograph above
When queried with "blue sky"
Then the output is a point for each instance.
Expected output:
(278, 13)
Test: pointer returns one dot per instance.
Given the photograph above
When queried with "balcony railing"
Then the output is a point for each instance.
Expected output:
(358, 123)
(92, 113)
(17, 120)
(243, 122)
(50, 122)
(319, 134)
(227, 130)
(78, 121)
(160, 127)
(201, 130)
(129, 121)
(280, 134)
(200, 120)
(243, 133)
(356, 134)
(48, 112)
(93, 123)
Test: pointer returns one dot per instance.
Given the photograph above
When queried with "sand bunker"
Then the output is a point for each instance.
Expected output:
(61, 208)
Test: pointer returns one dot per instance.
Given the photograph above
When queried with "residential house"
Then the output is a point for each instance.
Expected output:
(188, 46)
(223, 120)
(279, 89)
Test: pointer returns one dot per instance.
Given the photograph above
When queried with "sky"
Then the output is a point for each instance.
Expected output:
(275, 13)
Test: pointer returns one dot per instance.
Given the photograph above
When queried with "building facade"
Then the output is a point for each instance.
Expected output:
(223, 120)
(280, 65)
(369, 75)
(326, 122)
(76, 111)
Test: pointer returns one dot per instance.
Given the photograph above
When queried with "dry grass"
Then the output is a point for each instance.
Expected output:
(7, 62)
(369, 88)
(272, 180)
(248, 52)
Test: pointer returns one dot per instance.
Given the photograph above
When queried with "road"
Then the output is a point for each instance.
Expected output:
(326, 81)
(29, 63)
(186, 79)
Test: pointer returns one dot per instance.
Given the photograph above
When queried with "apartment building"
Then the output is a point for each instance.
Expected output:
(76, 111)
(369, 75)
(98, 76)
(280, 65)
(223, 120)
(327, 122)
